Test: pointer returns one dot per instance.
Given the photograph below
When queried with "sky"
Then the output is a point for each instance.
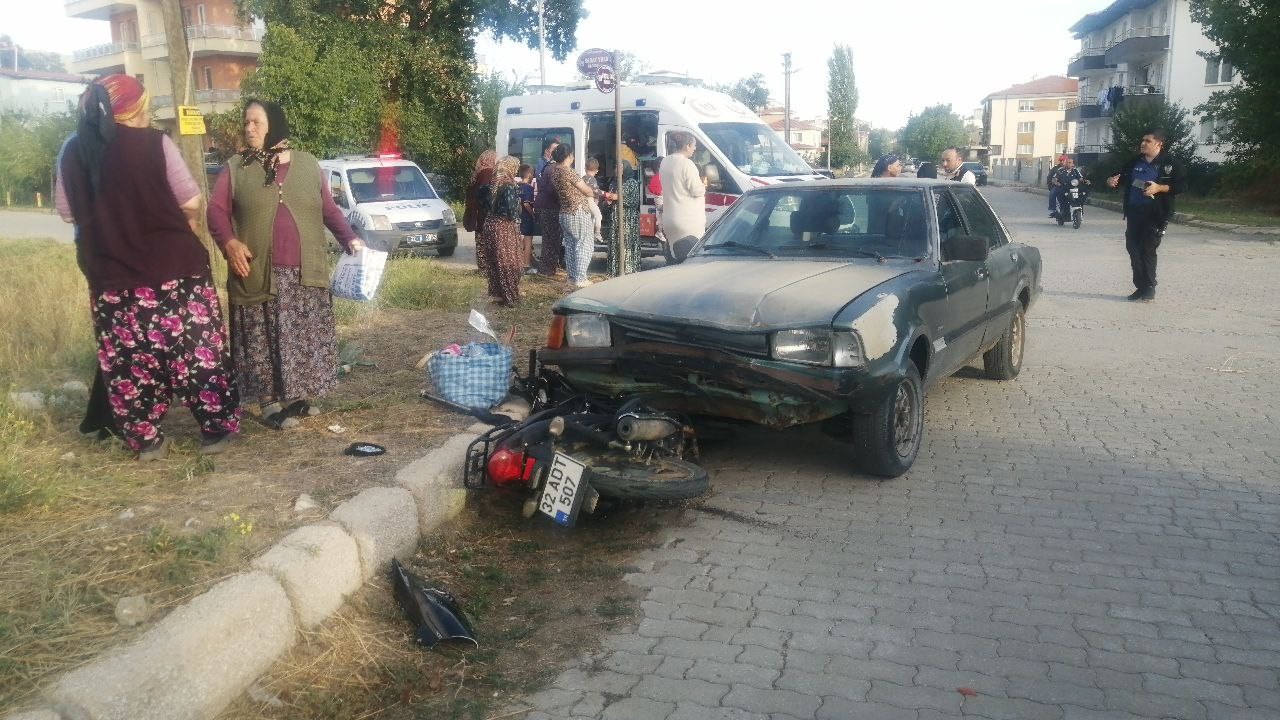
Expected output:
(907, 54)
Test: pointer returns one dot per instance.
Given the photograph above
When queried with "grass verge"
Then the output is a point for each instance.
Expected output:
(84, 525)
(1228, 210)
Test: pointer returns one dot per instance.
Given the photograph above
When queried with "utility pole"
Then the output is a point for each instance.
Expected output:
(786, 97)
(192, 146)
(542, 47)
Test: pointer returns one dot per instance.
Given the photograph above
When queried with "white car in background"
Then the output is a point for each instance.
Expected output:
(391, 205)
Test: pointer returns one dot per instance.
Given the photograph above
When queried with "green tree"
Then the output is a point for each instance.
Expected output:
(489, 93)
(935, 129)
(1134, 118)
(29, 59)
(418, 90)
(1247, 33)
(842, 103)
(31, 144)
(750, 91)
(331, 92)
(881, 142)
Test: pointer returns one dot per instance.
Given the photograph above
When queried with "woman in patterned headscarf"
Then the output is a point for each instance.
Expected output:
(476, 206)
(155, 311)
(268, 211)
(504, 243)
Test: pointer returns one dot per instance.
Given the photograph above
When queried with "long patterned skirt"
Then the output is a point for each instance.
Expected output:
(286, 348)
(482, 248)
(155, 343)
(552, 242)
(506, 258)
(630, 237)
(578, 231)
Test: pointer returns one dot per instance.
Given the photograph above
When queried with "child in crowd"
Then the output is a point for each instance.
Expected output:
(528, 220)
(593, 205)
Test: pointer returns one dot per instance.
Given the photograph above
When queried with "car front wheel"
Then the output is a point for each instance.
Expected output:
(1004, 361)
(887, 440)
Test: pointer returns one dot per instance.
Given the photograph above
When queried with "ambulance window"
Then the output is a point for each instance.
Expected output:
(718, 181)
(526, 143)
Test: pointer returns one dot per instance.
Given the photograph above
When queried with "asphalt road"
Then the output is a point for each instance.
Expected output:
(1098, 539)
(33, 224)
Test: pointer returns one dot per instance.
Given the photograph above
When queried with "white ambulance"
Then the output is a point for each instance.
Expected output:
(736, 150)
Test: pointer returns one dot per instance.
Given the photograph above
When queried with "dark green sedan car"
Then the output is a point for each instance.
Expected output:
(811, 302)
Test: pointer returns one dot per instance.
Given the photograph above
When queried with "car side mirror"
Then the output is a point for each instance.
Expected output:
(339, 198)
(680, 248)
(967, 248)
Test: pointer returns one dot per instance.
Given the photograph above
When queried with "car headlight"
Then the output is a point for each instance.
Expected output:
(818, 347)
(379, 222)
(448, 217)
(587, 330)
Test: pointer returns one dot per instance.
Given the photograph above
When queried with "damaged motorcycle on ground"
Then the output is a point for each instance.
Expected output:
(573, 452)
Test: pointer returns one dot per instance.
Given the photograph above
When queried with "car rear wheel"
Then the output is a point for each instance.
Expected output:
(887, 440)
(1004, 361)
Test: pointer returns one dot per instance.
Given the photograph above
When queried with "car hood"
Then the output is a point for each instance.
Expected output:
(738, 295)
(398, 211)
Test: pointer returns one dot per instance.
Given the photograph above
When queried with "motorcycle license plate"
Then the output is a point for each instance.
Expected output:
(562, 492)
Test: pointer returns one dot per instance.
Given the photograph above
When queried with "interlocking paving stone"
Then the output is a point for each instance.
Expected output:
(1096, 540)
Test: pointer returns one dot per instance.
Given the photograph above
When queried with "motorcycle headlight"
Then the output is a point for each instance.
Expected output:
(587, 330)
(448, 217)
(1075, 183)
(818, 347)
(379, 222)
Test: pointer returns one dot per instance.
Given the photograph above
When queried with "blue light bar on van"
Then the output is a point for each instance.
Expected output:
(639, 102)
(513, 111)
(575, 105)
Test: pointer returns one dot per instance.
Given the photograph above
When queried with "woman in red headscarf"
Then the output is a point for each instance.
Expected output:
(155, 312)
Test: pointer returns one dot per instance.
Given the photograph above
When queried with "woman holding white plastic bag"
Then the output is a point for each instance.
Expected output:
(268, 211)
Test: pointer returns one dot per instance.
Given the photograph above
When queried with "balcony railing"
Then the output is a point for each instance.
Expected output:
(98, 51)
(224, 32)
(1139, 32)
(201, 96)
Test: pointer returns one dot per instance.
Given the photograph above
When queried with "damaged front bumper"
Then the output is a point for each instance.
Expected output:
(704, 381)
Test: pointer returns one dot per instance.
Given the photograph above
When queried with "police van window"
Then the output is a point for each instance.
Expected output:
(335, 187)
(526, 143)
(978, 216)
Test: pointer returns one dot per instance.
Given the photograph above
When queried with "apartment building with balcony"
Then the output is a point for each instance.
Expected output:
(223, 49)
(1027, 121)
(1141, 51)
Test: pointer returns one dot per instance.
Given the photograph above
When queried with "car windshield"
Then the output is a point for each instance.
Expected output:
(755, 149)
(976, 167)
(839, 222)
(392, 182)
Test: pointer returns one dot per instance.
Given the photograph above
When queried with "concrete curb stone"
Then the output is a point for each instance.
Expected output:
(202, 656)
(384, 522)
(193, 663)
(318, 566)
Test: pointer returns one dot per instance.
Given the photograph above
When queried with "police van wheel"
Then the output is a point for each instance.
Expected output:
(446, 251)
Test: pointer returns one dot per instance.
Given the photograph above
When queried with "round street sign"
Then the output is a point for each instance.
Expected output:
(590, 61)
(605, 81)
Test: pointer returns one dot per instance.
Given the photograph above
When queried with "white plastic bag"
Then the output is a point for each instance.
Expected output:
(357, 276)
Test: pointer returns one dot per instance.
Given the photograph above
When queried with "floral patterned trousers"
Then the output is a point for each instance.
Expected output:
(155, 343)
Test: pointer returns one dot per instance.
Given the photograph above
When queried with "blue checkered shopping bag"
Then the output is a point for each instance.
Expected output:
(477, 378)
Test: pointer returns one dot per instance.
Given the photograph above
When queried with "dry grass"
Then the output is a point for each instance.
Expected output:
(68, 548)
(537, 598)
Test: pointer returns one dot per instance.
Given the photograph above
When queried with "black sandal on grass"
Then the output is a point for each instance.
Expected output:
(281, 420)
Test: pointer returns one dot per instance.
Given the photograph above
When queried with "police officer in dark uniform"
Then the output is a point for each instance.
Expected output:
(1150, 181)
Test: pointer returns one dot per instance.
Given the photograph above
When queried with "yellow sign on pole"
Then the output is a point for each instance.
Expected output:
(190, 121)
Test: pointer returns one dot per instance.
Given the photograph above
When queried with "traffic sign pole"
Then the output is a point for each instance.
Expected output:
(617, 159)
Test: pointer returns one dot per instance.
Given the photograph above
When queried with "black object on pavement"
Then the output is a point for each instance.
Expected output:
(433, 611)
(363, 449)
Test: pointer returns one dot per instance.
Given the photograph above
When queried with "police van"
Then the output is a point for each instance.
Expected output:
(736, 150)
(391, 205)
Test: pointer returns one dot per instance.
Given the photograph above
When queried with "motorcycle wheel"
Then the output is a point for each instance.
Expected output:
(660, 479)
(1076, 217)
(1060, 219)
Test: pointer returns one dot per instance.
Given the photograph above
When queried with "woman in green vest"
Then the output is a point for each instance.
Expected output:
(268, 211)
